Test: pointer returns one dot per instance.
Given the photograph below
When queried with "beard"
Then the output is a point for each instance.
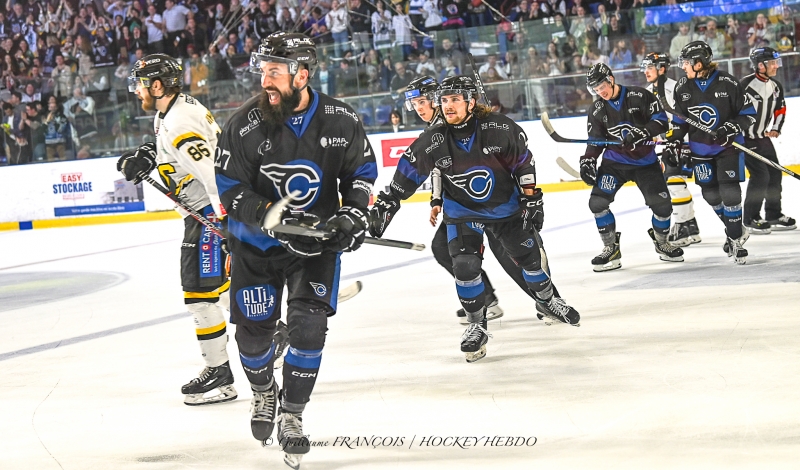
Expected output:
(148, 102)
(274, 115)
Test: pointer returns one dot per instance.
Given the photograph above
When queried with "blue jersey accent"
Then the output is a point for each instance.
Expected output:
(452, 232)
(521, 160)
(224, 183)
(251, 235)
(703, 84)
(660, 116)
(367, 170)
(613, 156)
(705, 150)
(455, 210)
(335, 284)
(406, 169)
(298, 124)
(304, 358)
(467, 146)
(617, 103)
(258, 362)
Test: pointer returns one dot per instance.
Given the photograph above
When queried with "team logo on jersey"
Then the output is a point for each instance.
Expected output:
(703, 172)
(257, 302)
(607, 184)
(663, 195)
(633, 110)
(264, 147)
(436, 141)
(621, 130)
(721, 94)
(254, 116)
(730, 173)
(705, 113)
(494, 125)
(444, 162)
(529, 243)
(492, 149)
(326, 142)
(319, 289)
(477, 182)
(685, 96)
(297, 175)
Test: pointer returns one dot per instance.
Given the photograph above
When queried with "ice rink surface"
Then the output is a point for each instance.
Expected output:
(675, 365)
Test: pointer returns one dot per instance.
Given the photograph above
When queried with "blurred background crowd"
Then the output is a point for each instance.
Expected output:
(64, 63)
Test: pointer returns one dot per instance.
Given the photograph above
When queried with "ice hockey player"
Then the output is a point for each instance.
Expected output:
(488, 185)
(289, 138)
(633, 116)
(767, 97)
(684, 230)
(717, 101)
(186, 139)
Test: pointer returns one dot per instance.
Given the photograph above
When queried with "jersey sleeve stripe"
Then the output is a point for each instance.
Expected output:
(186, 138)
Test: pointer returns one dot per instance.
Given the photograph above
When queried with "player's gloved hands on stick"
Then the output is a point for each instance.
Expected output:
(727, 132)
(299, 245)
(670, 155)
(589, 170)
(532, 211)
(349, 227)
(142, 161)
(636, 136)
(382, 212)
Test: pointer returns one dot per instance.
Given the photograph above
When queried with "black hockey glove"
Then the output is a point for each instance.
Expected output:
(532, 211)
(349, 227)
(636, 136)
(382, 212)
(727, 132)
(142, 161)
(298, 245)
(589, 170)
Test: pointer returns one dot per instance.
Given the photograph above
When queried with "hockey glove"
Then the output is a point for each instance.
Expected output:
(298, 245)
(636, 136)
(532, 211)
(727, 132)
(142, 161)
(382, 212)
(589, 170)
(349, 227)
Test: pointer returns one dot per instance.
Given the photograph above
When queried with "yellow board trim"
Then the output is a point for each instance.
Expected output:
(189, 136)
(200, 295)
(209, 330)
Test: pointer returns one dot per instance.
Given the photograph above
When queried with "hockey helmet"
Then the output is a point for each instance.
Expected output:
(156, 67)
(655, 59)
(596, 75)
(458, 85)
(696, 51)
(764, 54)
(292, 49)
(422, 86)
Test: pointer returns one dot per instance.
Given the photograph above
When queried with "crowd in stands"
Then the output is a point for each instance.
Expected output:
(63, 61)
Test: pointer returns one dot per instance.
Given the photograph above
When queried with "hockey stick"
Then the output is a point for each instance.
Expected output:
(273, 219)
(548, 126)
(478, 81)
(566, 167)
(197, 216)
(694, 123)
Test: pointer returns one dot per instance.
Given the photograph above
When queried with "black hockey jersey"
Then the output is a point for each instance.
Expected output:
(712, 101)
(479, 176)
(613, 119)
(321, 152)
(768, 100)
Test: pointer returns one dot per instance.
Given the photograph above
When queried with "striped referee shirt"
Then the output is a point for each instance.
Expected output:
(768, 99)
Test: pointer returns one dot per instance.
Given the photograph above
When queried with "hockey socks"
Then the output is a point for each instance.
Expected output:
(732, 217)
(606, 223)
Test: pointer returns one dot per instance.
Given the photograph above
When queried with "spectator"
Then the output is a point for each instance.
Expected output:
(198, 73)
(337, 20)
(80, 111)
(265, 22)
(478, 14)
(569, 47)
(324, 80)
(138, 41)
(555, 66)
(155, 31)
(194, 37)
(738, 34)
(35, 131)
(401, 25)
(783, 32)
(433, 19)
(175, 17)
(539, 11)
(491, 63)
(92, 82)
(30, 94)
(401, 79)
(346, 79)
(758, 32)
(15, 145)
(360, 23)
(621, 56)
(381, 27)
(593, 56)
(714, 39)
(449, 69)
(62, 77)
(448, 51)
(651, 32)
(533, 66)
(425, 66)
(396, 121)
(316, 26)
(679, 41)
(286, 19)
(582, 24)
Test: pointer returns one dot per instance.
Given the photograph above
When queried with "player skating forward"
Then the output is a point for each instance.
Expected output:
(767, 97)
(488, 185)
(717, 101)
(186, 138)
(632, 115)
(684, 230)
(289, 138)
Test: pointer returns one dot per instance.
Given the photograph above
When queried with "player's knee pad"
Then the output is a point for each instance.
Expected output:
(678, 190)
(466, 267)
(711, 195)
(663, 210)
(440, 249)
(308, 323)
(529, 261)
(255, 343)
(598, 204)
(731, 193)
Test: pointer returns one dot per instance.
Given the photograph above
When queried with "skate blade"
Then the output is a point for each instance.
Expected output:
(676, 259)
(278, 363)
(477, 355)
(695, 239)
(758, 231)
(740, 261)
(782, 228)
(547, 321)
(682, 242)
(292, 460)
(610, 266)
(226, 393)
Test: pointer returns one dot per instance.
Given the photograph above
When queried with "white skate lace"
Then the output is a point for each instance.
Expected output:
(263, 404)
(203, 376)
(558, 306)
(473, 332)
(607, 250)
(292, 426)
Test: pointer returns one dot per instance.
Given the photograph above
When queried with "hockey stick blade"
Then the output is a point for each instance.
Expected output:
(694, 123)
(349, 292)
(566, 167)
(273, 219)
(196, 215)
(548, 126)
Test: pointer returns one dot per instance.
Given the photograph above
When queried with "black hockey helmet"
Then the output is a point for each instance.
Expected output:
(421, 86)
(460, 84)
(156, 67)
(764, 54)
(696, 51)
(655, 59)
(597, 74)
(292, 49)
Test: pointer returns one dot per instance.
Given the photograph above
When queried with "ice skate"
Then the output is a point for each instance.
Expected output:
(291, 439)
(493, 311)
(556, 309)
(263, 409)
(735, 249)
(281, 340)
(694, 230)
(679, 235)
(666, 251)
(758, 227)
(473, 341)
(782, 223)
(211, 378)
(609, 258)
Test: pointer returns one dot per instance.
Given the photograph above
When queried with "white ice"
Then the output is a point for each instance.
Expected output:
(675, 365)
